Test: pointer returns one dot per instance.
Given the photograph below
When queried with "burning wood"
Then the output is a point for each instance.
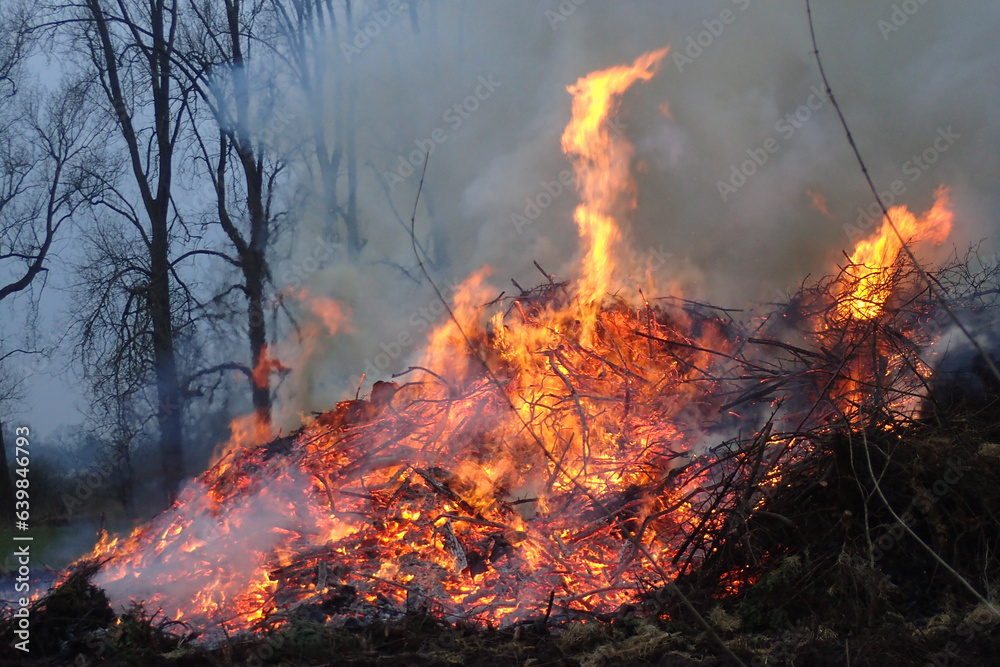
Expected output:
(870, 281)
(551, 452)
(434, 493)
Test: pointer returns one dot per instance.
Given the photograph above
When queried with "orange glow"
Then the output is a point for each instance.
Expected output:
(474, 493)
(468, 499)
(249, 431)
(873, 257)
(332, 314)
(603, 173)
(819, 202)
(265, 366)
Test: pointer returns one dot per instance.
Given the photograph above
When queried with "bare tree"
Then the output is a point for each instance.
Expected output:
(45, 139)
(131, 46)
(14, 40)
(305, 36)
(217, 60)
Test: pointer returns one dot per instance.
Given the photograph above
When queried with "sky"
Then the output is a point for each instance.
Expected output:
(745, 180)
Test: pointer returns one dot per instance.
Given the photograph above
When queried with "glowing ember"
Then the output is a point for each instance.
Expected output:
(436, 495)
(432, 495)
(874, 257)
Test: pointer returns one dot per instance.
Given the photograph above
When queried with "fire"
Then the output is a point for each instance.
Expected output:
(604, 173)
(332, 314)
(547, 449)
(870, 269)
(328, 317)
(435, 492)
(873, 276)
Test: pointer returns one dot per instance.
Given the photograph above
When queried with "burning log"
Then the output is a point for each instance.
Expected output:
(559, 451)
(432, 496)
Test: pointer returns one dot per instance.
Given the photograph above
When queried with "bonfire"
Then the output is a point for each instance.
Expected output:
(560, 453)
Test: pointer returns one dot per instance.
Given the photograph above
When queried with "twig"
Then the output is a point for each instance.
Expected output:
(671, 586)
(931, 283)
(962, 580)
(552, 283)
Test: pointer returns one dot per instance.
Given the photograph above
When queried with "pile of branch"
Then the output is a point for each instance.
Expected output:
(684, 451)
(888, 505)
(717, 518)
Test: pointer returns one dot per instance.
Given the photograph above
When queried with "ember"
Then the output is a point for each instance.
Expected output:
(550, 452)
(315, 425)
(456, 492)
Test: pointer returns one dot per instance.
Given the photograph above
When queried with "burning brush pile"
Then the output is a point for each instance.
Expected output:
(560, 454)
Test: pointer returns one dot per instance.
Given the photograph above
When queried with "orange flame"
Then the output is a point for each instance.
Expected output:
(327, 317)
(331, 313)
(440, 353)
(435, 490)
(874, 256)
(603, 170)
(435, 494)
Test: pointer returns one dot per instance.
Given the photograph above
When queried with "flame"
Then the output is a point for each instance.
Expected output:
(602, 164)
(334, 316)
(440, 351)
(435, 495)
(869, 271)
(248, 431)
(819, 202)
(435, 492)
(265, 366)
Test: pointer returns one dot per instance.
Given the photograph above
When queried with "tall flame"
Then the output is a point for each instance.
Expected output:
(602, 163)
(874, 256)
(433, 494)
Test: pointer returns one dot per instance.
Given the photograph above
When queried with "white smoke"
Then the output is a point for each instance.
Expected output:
(736, 70)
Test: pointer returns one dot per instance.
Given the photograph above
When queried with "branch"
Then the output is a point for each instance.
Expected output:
(211, 253)
(557, 463)
(931, 283)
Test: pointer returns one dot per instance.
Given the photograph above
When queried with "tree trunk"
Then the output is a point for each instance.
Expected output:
(170, 410)
(354, 242)
(253, 261)
(253, 271)
(158, 51)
